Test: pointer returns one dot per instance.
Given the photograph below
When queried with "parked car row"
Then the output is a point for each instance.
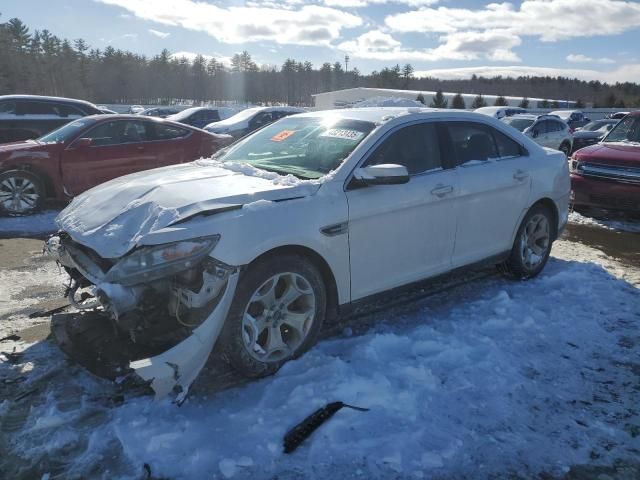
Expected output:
(546, 130)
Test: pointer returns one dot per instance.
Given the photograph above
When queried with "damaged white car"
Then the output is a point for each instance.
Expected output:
(252, 250)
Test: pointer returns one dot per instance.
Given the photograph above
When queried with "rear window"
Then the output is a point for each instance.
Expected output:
(519, 123)
(167, 132)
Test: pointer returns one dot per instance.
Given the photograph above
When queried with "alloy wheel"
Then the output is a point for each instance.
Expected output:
(18, 194)
(278, 317)
(535, 241)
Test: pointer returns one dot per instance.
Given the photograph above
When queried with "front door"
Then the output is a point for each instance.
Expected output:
(402, 233)
(117, 148)
(494, 190)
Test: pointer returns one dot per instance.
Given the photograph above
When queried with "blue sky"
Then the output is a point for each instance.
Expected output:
(590, 39)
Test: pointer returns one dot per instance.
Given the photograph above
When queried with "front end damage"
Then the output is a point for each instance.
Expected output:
(164, 306)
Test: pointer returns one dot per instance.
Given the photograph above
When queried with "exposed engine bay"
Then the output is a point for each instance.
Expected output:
(168, 303)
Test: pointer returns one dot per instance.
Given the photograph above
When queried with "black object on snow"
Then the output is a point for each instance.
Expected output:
(304, 429)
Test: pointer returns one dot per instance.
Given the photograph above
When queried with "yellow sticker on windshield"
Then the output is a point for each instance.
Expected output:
(283, 135)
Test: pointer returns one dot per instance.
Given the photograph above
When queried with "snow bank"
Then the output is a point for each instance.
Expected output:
(494, 378)
(623, 225)
(37, 224)
(388, 102)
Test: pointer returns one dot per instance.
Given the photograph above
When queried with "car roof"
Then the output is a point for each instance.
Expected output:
(132, 116)
(46, 99)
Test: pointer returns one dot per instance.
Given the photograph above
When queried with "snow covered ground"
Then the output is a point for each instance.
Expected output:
(621, 225)
(491, 378)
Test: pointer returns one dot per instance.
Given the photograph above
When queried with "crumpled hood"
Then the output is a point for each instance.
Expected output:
(113, 217)
(609, 153)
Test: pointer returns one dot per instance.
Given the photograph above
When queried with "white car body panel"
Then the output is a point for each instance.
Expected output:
(397, 234)
(233, 124)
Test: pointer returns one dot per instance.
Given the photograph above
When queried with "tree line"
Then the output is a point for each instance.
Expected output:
(42, 63)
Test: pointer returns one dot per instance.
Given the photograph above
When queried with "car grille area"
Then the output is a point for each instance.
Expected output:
(609, 172)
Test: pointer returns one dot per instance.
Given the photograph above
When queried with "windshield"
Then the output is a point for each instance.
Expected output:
(626, 131)
(66, 132)
(183, 114)
(520, 123)
(597, 125)
(308, 147)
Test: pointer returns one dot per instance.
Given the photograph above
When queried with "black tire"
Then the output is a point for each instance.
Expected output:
(231, 341)
(566, 149)
(35, 192)
(515, 266)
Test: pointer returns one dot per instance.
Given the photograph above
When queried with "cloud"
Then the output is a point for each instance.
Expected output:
(306, 25)
(364, 3)
(158, 33)
(630, 72)
(549, 20)
(494, 45)
(579, 58)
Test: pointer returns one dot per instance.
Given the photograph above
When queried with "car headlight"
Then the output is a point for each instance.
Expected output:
(151, 263)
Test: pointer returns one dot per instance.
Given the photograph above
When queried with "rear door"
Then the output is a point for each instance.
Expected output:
(494, 189)
(402, 233)
(173, 144)
(118, 147)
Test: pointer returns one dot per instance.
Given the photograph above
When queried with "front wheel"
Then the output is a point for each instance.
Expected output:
(532, 245)
(276, 315)
(21, 193)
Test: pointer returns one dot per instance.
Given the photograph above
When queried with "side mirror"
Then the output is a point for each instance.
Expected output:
(385, 174)
(83, 143)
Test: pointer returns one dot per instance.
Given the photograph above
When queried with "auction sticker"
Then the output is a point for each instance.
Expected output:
(283, 135)
(344, 133)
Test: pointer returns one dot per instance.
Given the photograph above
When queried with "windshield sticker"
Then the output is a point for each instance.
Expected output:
(283, 135)
(344, 133)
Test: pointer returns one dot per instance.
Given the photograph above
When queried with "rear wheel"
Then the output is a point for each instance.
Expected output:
(532, 245)
(276, 315)
(21, 193)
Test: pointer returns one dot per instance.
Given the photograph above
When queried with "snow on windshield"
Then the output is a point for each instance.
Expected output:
(308, 147)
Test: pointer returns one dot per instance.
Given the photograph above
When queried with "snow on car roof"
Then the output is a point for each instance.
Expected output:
(382, 114)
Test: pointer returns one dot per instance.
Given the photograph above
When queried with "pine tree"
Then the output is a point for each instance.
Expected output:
(524, 103)
(543, 104)
(501, 102)
(439, 101)
(420, 98)
(478, 102)
(458, 102)
(579, 103)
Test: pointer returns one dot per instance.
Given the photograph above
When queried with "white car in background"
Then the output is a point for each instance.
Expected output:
(251, 119)
(252, 250)
(500, 112)
(546, 130)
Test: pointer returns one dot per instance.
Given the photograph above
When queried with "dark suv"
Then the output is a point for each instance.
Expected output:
(30, 116)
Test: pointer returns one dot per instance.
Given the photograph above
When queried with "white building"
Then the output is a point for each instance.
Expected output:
(347, 97)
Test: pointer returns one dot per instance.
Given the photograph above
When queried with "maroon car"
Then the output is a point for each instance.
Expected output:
(90, 151)
(607, 175)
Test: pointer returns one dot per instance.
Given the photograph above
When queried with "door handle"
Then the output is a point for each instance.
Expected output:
(520, 175)
(442, 190)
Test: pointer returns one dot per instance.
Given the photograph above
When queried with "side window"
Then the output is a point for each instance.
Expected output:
(65, 110)
(416, 147)
(167, 132)
(7, 108)
(107, 133)
(471, 141)
(211, 116)
(554, 126)
(506, 146)
(37, 108)
(118, 132)
(260, 120)
(135, 131)
(542, 127)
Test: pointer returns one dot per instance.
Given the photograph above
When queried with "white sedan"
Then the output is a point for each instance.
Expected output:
(252, 250)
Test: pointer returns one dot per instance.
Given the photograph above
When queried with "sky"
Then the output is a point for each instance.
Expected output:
(586, 39)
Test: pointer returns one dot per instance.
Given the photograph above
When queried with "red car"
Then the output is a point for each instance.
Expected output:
(90, 151)
(607, 175)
